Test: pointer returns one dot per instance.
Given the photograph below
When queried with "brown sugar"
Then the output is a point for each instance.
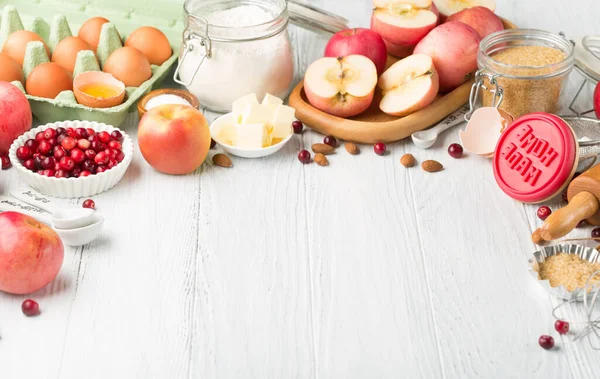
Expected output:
(568, 270)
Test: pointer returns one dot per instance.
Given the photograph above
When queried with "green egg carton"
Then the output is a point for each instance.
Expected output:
(54, 20)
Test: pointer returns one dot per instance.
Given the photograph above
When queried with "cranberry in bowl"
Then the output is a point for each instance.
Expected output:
(72, 158)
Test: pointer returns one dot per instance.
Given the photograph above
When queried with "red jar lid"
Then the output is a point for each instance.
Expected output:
(535, 157)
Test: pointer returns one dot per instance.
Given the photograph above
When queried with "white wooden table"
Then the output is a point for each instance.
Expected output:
(274, 269)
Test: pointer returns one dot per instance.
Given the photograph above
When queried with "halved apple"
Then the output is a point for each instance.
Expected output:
(404, 22)
(408, 85)
(449, 7)
(343, 86)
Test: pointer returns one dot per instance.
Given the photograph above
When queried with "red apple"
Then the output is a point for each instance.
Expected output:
(483, 20)
(15, 115)
(31, 254)
(453, 47)
(174, 139)
(343, 87)
(597, 100)
(359, 41)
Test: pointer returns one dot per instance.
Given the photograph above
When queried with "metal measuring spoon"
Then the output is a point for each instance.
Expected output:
(68, 218)
(424, 139)
(70, 237)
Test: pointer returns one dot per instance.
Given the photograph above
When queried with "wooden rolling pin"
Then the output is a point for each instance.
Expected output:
(584, 204)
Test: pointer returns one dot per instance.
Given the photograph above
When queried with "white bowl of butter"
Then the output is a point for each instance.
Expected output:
(253, 129)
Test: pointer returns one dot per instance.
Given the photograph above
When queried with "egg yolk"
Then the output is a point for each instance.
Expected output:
(100, 90)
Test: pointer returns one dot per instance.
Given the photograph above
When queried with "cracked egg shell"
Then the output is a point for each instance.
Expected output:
(97, 89)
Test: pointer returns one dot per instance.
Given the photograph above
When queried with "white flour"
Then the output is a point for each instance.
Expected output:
(239, 68)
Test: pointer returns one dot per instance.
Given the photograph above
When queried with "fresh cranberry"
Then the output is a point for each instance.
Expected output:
(89, 203)
(60, 138)
(101, 158)
(581, 224)
(44, 147)
(112, 153)
(596, 234)
(92, 138)
(50, 133)
(59, 152)
(67, 163)
(49, 173)
(455, 150)
(298, 127)
(114, 145)
(120, 156)
(562, 327)
(88, 165)
(81, 133)
(48, 163)
(39, 136)
(98, 146)
(543, 212)
(76, 172)
(101, 169)
(57, 166)
(380, 148)
(77, 155)
(23, 153)
(71, 132)
(116, 135)
(60, 130)
(38, 161)
(30, 308)
(83, 144)
(330, 140)
(212, 143)
(68, 143)
(111, 163)
(104, 137)
(304, 156)
(5, 162)
(29, 164)
(41, 172)
(90, 131)
(89, 154)
(32, 145)
(84, 173)
(547, 342)
(52, 141)
(61, 174)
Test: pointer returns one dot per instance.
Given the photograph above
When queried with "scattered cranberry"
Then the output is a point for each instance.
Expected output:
(68, 143)
(44, 147)
(212, 143)
(581, 224)
(30, 308)
(67, 163)
(596, 234)
(543, 212)
(304, 156)
(330, 140)
(5, 162)
(547, 342)
(562, 327)
(117, 136)
(50, 133)
(104, 137)
(89, 203)
(29, 164)
(455, 150)
(23, 153)
(298, 127)
(48, 163)
(380, 148)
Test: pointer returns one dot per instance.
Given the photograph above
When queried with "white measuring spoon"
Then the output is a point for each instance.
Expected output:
(68, 218)
(70, 237)
(424, 139)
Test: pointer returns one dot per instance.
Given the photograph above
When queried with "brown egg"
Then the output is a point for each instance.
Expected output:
(16, 43)
(90, 31)
(48, 80)
(129, 66)
(152, 43)
(66, 51)
(10, 70)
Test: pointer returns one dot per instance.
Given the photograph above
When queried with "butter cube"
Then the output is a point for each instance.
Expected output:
(258, 113)
(238, 106)
(253, 136)
(227, 134)
(282, 121)
(271, 100)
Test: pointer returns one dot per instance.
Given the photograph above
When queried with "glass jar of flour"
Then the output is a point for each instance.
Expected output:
(235, 47)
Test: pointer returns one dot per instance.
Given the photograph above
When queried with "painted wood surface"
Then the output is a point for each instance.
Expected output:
(273, 269)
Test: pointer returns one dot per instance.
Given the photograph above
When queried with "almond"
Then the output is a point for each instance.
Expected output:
(408, 160)
(222, 160)
(432, 166)
(321, 148)
(351, 148)
(321, 159)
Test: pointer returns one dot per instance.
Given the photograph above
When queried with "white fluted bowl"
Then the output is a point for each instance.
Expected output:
(72, 187)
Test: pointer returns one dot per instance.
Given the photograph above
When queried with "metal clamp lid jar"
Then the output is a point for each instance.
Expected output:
(522, 71)
(236, 47)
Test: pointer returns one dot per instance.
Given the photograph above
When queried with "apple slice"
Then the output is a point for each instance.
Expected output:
(343, 86)
(408, 85)
(449, 7)
(403, 22)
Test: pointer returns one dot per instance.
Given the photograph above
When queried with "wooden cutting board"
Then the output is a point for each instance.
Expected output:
(375, 126)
